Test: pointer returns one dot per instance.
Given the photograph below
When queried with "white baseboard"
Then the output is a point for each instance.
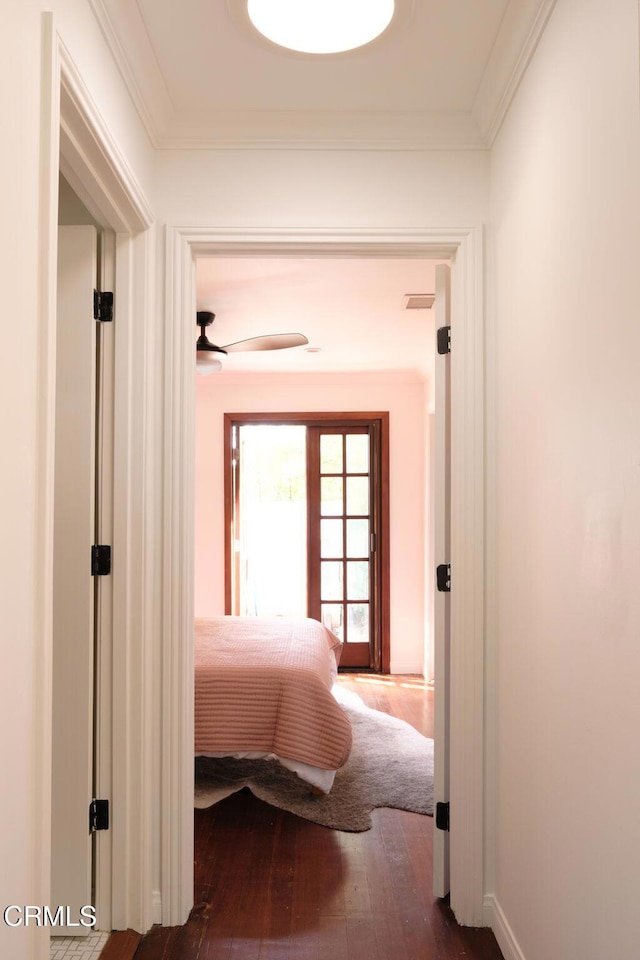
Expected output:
(495, 918)
(156, 907)
(407, 668)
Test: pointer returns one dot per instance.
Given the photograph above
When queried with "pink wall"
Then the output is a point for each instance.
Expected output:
(404, 396)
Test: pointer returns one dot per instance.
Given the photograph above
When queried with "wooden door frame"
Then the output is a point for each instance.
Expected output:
(176, 422)
(320, 419)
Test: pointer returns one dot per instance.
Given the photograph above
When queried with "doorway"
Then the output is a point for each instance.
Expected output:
(307, 524)
(464, 247)
(81, 594)
(77, 144)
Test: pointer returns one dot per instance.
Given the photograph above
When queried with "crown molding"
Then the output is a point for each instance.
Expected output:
(126, 37)
(522, 26)
(323, 130)
(169, 129)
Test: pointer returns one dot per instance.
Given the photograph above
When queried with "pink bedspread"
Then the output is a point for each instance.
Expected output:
(265, 684)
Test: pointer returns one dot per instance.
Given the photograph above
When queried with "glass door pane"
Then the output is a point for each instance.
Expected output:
(342, 465)
(331, 580)
(272, 542)
(306, 524)
(358, 622)
(331, 538)
(358, 453)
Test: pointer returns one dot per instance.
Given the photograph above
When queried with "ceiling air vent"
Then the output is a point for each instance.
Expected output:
(418, 301)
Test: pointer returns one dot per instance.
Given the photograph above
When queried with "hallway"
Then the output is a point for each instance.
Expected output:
(270, 886)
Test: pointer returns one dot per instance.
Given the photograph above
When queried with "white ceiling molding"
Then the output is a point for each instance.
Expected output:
(520, 31)
(324, 130)
(127, 39)
(125, 32)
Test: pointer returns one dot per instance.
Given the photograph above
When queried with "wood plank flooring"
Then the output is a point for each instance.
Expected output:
(122, 945)
(270, 886)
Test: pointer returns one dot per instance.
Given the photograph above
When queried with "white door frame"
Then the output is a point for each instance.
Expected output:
(75, 140)
(465, 248)
(439, 548)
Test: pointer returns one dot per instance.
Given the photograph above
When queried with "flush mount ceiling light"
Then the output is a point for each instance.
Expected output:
(321, 26)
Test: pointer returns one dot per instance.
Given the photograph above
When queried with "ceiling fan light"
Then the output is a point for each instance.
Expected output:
(207, 362)
(321, 26)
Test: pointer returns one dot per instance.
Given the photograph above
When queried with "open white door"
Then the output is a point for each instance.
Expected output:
(73, 588)
(441, 515)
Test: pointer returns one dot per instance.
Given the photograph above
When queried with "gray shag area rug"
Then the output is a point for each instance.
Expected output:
(390, 765)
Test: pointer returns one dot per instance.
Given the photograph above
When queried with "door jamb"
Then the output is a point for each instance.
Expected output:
(76, 141)
(465, 248)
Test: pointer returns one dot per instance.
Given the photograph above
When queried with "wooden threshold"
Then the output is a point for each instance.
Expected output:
(121, 945)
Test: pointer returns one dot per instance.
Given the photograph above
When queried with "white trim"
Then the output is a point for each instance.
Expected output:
(43, 599)
(495, 918)
(104, 652)
(169, 129)
(321, 130)
(91, 160)
(156, 902)
(133, 728)
(519, 35)
(136, 61)
(125, 34)
(72, 128)
(465, 247)
(466, 685)
(177, 420)
(264, 242)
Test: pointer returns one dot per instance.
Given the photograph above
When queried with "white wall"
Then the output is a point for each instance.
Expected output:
(323, 189)
(273, 189)
(333, 190)
(403, 395)
(327, 189)
(564, 369)
(22, 651)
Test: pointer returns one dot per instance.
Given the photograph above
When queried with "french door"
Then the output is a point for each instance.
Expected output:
(336, 568)
(342, 567)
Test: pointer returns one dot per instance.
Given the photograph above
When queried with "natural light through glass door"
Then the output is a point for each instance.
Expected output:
(303, 507)
(339, 460)
(271, 542)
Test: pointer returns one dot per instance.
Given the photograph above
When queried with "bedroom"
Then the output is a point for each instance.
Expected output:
(370, 354)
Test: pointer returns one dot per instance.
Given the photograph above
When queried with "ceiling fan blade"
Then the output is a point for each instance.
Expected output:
(272, 341)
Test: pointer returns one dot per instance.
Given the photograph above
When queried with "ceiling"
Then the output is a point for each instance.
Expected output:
(351, 309)
(442, 75)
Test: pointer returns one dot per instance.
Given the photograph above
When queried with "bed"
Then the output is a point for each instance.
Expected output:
(263, 689)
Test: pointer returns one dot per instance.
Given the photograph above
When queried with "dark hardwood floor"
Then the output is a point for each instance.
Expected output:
(270, 886)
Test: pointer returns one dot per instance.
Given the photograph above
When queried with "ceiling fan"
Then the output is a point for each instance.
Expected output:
(209, 356)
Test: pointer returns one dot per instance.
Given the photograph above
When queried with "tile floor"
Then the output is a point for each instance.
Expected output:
(78, 948)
